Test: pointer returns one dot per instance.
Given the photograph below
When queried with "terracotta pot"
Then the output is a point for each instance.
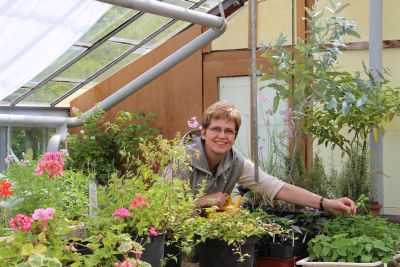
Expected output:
(276, 262)
(375, 209)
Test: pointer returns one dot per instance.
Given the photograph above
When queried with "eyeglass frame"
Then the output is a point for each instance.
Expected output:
(227, 131)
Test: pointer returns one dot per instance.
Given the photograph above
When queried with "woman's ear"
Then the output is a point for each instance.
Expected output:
(203, 134)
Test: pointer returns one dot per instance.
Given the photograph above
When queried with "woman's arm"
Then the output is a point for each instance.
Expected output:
(297, 195)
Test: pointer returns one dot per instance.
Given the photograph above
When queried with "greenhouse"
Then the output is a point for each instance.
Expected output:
(199, 133)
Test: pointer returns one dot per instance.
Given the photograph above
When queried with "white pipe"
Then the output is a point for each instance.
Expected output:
(170, 11)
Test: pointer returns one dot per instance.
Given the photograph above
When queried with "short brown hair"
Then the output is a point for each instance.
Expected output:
(221, 110)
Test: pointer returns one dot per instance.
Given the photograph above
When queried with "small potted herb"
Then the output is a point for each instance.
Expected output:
(227, 238)
(354, 241)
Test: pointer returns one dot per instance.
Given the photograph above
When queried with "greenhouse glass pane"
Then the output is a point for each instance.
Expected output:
(143, 27)
(127, 60)
(94, 61)
(111, 20)
(168, 33)
(48, 93)
(13, 96)
(69, 55)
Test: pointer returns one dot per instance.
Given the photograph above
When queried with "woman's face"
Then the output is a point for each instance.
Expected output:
(219, 138)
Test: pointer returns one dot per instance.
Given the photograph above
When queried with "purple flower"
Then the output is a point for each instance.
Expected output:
(287, 114)
(262, 98)
(269, 111)
(9, 159)
(193, 123)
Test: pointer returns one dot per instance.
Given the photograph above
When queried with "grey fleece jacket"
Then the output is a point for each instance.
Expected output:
(233, 168)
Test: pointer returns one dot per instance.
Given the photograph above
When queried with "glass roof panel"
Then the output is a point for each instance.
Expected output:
(94, 61)
(69, 55)
(112, 19)
(127, 60)
(143, 27)
(168, 33)
(13, 96)
(47, 94)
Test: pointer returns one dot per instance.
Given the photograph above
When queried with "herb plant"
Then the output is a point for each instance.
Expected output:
(356, 239)
(326, 99)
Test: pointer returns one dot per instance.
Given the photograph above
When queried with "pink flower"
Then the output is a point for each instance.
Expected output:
(9, 159)
(122, 213)
(193, 123)
(52, 165)
(123, 264)
(139, 201)
(153, 231)
(43, 214)
(21, 222)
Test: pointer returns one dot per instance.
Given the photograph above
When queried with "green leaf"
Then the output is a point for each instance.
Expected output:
(353, 33)
(52, 262)
(36, 260)
(361, 101)
(39, 249)
(332, 104)
(276, 103)
(27, 249)
(345, 108)
(338, 10)
(187, 250)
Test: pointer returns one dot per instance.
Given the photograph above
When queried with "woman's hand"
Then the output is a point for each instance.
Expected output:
(341, 205)
(214, 199)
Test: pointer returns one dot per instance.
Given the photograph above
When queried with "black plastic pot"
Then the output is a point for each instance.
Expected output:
(154, 249)
(172, 249)
(217, 253)
(281, 251)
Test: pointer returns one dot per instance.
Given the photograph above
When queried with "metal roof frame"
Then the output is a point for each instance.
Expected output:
(217, 27)
(99, 42)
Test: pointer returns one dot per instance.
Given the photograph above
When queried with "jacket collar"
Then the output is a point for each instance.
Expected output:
(195, 149)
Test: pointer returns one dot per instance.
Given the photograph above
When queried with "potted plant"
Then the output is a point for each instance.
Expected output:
(106, 245)
(227, 238)
(144, 202)
(357, 240)
(290, 244)
(36, 240)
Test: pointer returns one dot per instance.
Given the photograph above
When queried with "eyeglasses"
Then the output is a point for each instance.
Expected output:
(228, 131)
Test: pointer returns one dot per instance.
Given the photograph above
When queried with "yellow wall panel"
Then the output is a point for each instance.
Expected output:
(391, 19)
(274, 17)
(236, 34)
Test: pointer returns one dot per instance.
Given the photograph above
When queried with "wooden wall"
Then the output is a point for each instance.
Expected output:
(174, 97)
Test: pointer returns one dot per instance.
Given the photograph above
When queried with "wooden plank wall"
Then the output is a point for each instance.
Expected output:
(174, 97)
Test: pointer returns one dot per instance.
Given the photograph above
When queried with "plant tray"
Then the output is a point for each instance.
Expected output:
(305, 262)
